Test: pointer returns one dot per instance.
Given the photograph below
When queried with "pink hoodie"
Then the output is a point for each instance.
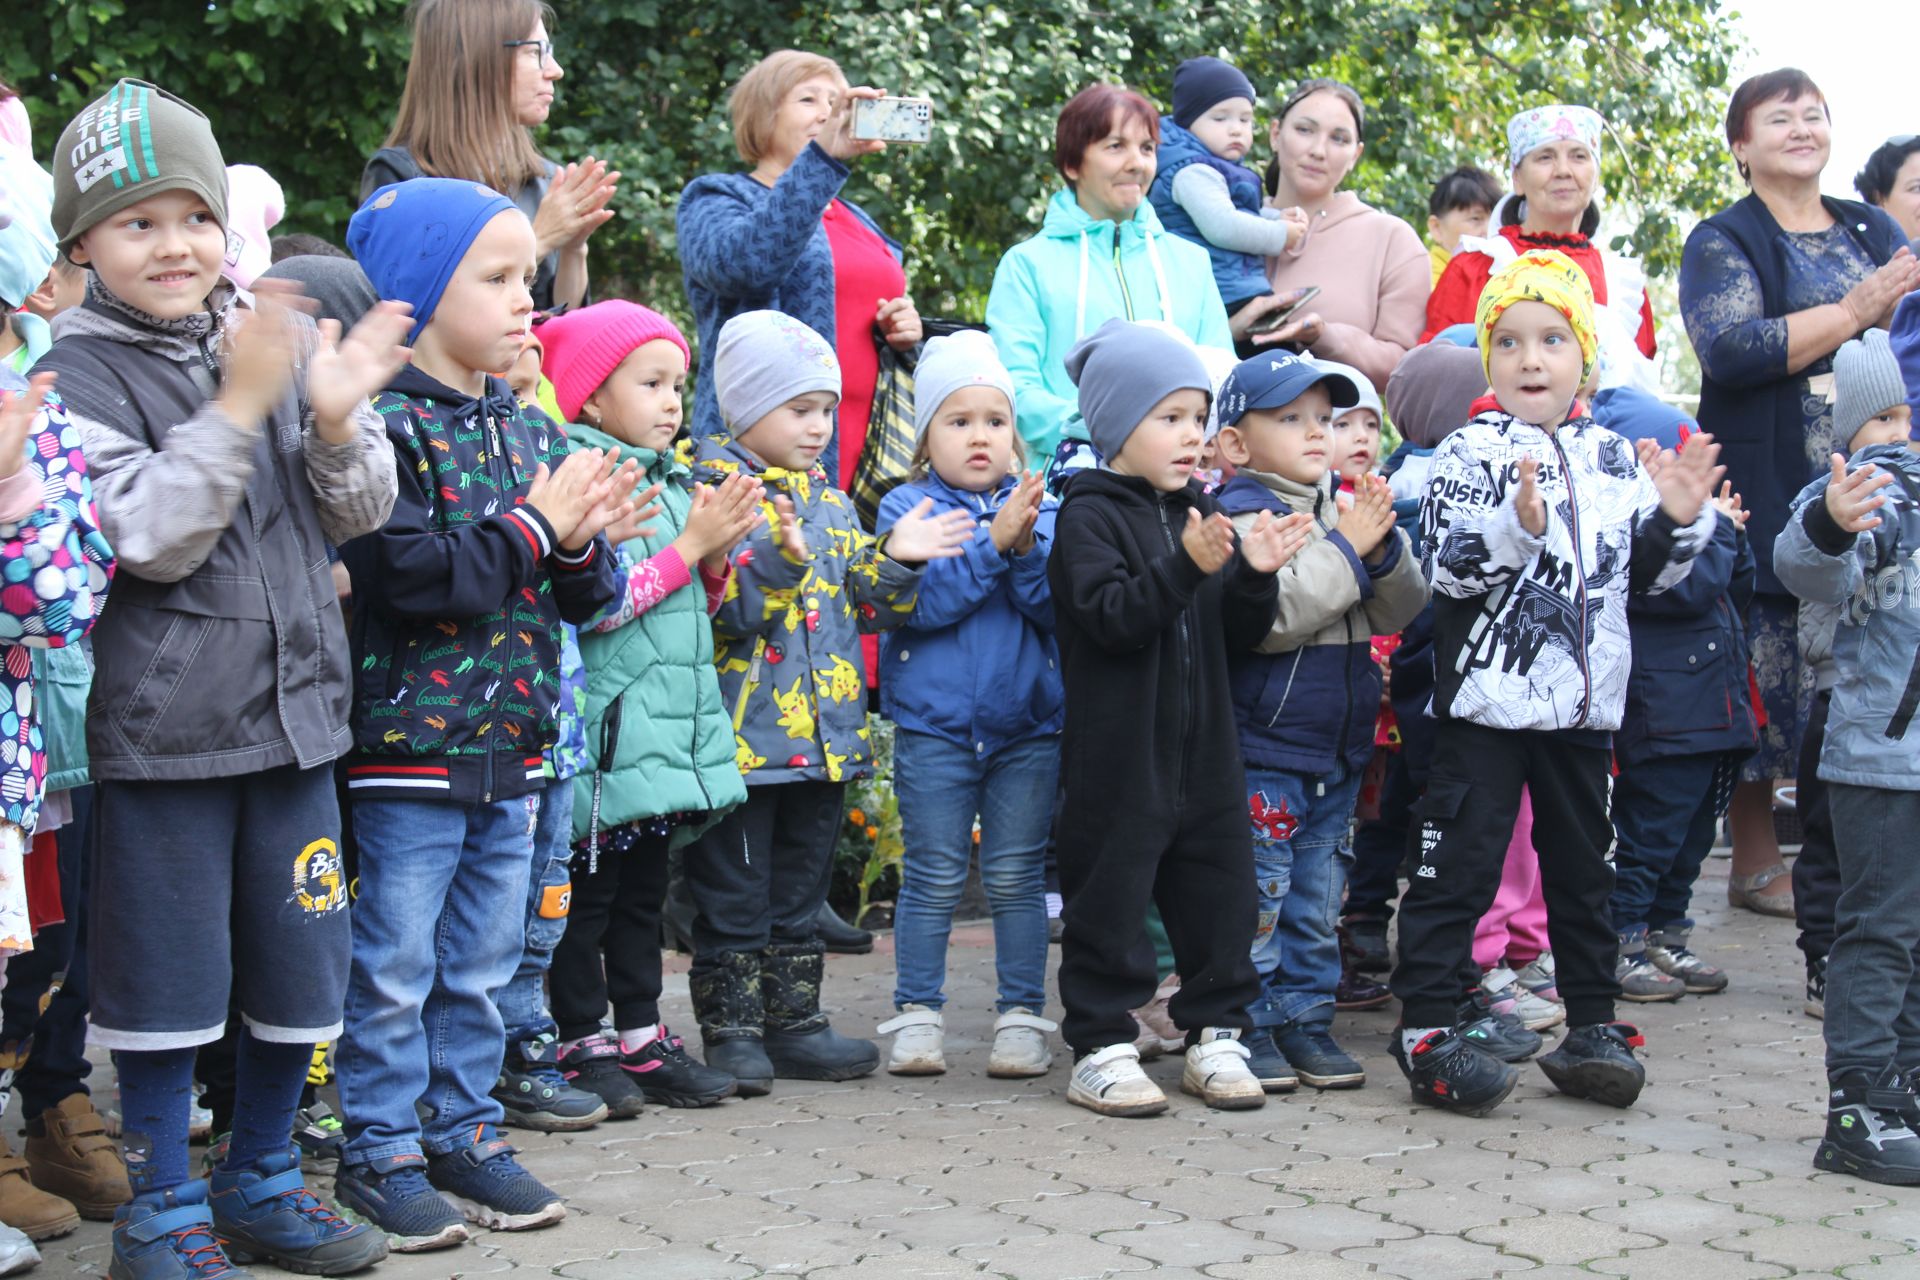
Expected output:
(1374, 278)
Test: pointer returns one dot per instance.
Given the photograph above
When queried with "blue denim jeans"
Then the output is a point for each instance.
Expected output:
(1302, 852)
(942, 787)
(437, 931)
(523, 1002)
(1664, 820)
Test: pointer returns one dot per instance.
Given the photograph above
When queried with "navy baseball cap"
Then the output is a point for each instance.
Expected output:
(1275, 378)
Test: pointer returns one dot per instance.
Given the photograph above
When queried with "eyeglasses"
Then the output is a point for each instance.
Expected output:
(544, 47)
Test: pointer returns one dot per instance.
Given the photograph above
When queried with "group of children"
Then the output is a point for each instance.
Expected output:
(583, 647)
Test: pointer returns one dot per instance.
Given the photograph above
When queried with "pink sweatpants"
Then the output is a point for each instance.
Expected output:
(1516, 925)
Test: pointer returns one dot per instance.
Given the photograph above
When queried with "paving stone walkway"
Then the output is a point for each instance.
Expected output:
(1708, 1176)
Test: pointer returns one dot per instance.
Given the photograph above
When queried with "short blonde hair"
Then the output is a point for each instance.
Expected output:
(755, 100)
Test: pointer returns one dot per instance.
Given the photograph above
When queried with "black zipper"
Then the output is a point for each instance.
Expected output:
(1579, 578)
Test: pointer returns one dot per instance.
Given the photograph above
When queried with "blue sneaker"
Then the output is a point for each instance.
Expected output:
(492, 1189)
(394, 1198)
(1318, 1057)
(168, 1235)
(1269, 1066)
(265, 1213)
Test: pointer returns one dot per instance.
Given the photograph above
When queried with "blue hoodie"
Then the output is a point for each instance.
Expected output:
(1059, 286)
(976, 664)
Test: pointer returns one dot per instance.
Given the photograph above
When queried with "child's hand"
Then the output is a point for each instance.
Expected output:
(1208, 541)
(1270, 544)
(1730, 505)
(1368, 525)
(17, 413)
(1853, 497)
(793, 542)
(626, 528)
(611, 511)
(259, 355)
(1686, 479)
(344, 372)
(561, 495)
(1527, 501)
(722, 515)
(1012, 527)
(919, 535)
(1296, 220)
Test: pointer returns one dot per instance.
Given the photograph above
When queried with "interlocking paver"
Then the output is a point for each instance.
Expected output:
(1809, 1246)
(1437, 1257)
(1561, 1238)
(1325, 1227)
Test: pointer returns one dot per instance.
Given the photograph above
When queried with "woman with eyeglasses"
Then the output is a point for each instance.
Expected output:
(481, 79)
(1770, 288)
(1891, 180)
(1370, 267)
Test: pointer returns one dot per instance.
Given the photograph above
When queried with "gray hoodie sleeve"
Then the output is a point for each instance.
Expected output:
(353, 483)
(1814, 557)
(1203, 194)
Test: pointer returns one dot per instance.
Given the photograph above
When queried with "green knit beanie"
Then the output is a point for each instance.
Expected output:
(135, 141)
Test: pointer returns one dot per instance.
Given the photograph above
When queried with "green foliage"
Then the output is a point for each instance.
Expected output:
(870, 846)
(307, 88)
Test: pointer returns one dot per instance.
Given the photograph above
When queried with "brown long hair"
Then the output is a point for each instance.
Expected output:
(456, 113)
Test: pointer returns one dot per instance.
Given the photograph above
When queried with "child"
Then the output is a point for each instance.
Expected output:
(659, 749)
(1536, 524)
(1849, 544)
(1149, 598)
(1306, 699)
(1688, 724)
(1869, 408)
(1354, 447)
(458, 603)
(220, 688)
(26, 252)
(1204, 193)
(972, 683)
(1461, 205)
(787, 649)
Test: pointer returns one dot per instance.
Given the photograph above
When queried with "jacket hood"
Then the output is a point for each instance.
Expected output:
(1133, 489)
(711, 459)
(106, 315)
(1237, 497)
(412, 383)
(1066, 220)
(656, 464)
(973, 500)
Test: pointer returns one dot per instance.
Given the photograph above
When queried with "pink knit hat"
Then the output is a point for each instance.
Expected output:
(255, 206)
(587, 345)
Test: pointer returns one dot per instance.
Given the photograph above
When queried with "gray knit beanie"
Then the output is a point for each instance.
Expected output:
(948, 363)
(764, 359)
(337, 284)
(134, 141)
(1123, 369)
(1866, 382)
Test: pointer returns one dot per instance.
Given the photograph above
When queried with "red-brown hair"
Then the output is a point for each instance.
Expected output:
(1755, 92)
(1094, 113)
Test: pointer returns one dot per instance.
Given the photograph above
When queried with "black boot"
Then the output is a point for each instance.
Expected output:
(727, 1001)
(1870, 1130)
(840, 937)
(1596, 1061)
(799, 1041)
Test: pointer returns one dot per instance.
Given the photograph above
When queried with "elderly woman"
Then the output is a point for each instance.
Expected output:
(1891, 180)
(1769, 289)
(1370, 267)
(780, 238)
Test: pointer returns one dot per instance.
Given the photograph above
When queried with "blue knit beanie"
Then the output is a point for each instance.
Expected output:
(1201, 83)
(1904, 338)
(1123, 369)
(410, 236)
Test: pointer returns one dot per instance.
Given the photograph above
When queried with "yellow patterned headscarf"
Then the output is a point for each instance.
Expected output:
(1540, 275)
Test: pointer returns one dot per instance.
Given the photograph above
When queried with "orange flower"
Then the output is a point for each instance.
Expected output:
(857, 818)
(873, 833)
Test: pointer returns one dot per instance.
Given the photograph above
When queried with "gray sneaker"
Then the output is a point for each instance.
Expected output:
(1642, 983)
(1667, 948)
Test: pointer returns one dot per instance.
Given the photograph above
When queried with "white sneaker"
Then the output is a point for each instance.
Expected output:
(199, 1119)
(17, 1253)
(1111, 1082)
(1538, 977)
(919, 1041)
(1510, 996)
(1217, 1072)
(1020, 1045)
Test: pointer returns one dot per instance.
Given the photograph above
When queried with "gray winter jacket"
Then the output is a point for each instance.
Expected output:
(1873, 579)
(224, 651)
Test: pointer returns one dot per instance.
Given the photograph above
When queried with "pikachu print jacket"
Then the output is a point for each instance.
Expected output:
(786, 638)
(458, 602)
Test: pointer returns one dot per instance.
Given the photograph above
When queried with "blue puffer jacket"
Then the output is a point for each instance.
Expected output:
(1240, 276)
(1687, 693)
(976, 664)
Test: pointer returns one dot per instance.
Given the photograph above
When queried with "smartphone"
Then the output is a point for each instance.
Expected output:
(1275, 319)
(893, 119)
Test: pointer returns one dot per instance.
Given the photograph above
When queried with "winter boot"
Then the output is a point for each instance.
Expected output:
(799, 1042)
(70, 1155)
(40, 1214)
(728, 1004)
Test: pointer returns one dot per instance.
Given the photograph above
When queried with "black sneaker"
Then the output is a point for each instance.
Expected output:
(667, 1073)
(394, 1198)
(1596, 1061)
(1269, 1066)
(1487, 1029)
(491, 1189)
(1318, 1058)
(1816, 1005)
(319, 1135)
(1363, 945)
(1869, 1130)
(1447, 1071)
(593, 1065)
(536, 1096)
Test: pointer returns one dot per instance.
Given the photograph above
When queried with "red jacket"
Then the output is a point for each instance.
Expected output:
(1457, 295)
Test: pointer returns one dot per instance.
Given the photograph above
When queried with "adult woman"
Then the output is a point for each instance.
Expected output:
(780, 238)
(1554, 153)
(1371, 269)
(1769, 289)
(1101, 253)
(1891, 179)
(480, 80)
